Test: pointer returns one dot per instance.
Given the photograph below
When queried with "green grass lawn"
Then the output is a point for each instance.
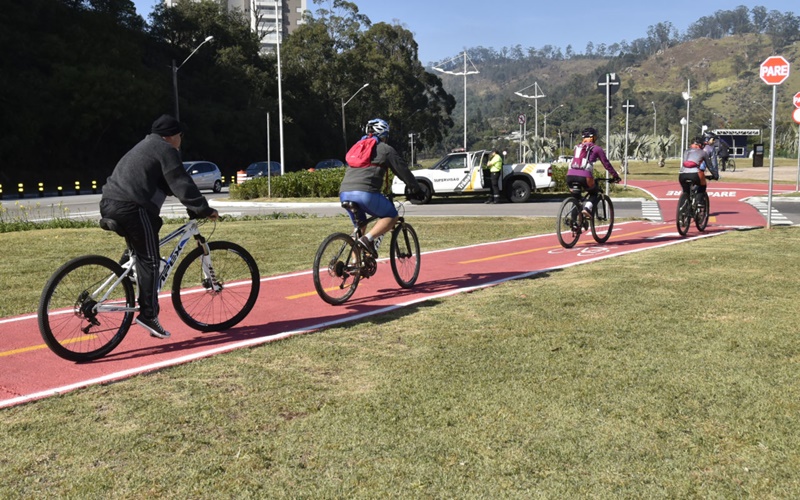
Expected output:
(666, 373)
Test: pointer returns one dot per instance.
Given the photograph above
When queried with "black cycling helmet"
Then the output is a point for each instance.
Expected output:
(698, 140)
(589, 132)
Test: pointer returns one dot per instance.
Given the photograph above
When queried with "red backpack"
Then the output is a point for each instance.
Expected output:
(362, 152)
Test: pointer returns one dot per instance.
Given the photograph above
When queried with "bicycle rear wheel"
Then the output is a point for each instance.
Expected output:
(731, 166)
(69, 322)
(209, 308)
(404, 255)
(337, 268)
(602, 218)
(568, 224)
(701, 213)
(683, 215)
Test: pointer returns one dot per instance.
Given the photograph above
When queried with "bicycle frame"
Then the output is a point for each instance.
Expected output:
(182, 234)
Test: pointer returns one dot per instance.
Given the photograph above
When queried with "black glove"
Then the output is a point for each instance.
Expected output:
(415, 192)
(617, 179)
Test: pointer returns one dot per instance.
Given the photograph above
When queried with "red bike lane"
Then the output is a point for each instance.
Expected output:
(288, 304)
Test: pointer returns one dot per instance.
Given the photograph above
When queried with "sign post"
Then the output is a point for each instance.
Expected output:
(796, 118)
(774, 71)
(608, 85)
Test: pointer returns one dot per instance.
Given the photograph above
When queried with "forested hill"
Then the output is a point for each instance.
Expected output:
(718, 57)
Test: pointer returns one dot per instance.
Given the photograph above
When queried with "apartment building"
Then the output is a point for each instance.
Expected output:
(266, 15)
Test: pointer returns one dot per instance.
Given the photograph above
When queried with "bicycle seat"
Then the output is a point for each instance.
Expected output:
(575, 188)
(112, 225)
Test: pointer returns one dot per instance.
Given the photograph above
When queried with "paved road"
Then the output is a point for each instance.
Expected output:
(85, 206)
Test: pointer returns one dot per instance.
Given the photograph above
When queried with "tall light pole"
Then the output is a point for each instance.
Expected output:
(688, 97)
(544, 133)
(175, 75)
(536, 95)
(278, 39)
(684, 126)
(655, 115)
(464, 73)
(627, 107)
(344, 103)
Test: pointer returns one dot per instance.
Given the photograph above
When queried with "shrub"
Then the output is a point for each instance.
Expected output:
(303, 184)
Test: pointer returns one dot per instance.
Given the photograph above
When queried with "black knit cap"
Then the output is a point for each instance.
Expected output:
(166, 125)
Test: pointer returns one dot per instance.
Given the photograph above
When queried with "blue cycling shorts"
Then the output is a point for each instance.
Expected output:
(372, 203)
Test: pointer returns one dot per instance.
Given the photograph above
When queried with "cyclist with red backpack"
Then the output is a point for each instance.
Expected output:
(580, 175)
(369, 162)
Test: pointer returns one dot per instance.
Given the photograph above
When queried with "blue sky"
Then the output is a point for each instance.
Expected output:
(443, 28)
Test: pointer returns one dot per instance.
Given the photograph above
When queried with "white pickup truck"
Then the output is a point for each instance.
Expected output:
(461, 172)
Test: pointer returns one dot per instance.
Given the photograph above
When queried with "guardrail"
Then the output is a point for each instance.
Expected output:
(40, 188)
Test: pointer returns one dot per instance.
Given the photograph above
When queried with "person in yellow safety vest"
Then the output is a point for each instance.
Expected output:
(495, 171)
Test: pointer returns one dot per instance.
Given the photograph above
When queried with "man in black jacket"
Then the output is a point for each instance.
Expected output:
(133, 196)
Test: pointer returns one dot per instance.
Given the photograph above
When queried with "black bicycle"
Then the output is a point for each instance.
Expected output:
(571, 221)
(695, 206)
(341, 263)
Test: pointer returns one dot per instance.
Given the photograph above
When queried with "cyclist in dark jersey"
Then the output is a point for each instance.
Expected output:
(362, 185)
(694, 166)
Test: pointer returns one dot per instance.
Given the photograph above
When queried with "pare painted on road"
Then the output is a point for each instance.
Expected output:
(711, 194)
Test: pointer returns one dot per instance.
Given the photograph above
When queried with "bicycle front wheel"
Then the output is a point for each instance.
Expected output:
(337, 269)
(73, 320)
(731, 166)
(568, 224)
(602, 219)
(404, 255)
(683, 215)
(216, 291)
(701, 213)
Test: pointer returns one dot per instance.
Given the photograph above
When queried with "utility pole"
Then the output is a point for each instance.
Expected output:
(536, 96)
(627, 107)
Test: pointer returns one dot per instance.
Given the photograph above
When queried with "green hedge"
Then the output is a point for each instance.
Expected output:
(325, 184)
(303, 184)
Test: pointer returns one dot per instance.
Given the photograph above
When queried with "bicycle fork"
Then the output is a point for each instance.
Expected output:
(210, 281)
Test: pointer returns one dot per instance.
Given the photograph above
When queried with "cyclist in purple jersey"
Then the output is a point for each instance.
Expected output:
(580, 175)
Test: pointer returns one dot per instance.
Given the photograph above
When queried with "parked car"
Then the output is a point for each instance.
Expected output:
(460, 172)
(205, 174)
(332, 163)
(259, 169)
(564, 159)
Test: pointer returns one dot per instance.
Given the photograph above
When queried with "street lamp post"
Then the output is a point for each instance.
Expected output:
(655, 115)
(344, 103)
(688, 97)
(175, 76)
(544, 133)
(464, 74)
(627, 107)
(536, 95)
(684, 124)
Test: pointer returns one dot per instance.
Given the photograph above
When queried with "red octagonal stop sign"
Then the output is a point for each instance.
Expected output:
(775, 70)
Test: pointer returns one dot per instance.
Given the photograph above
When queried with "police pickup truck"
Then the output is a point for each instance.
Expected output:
(462, 172)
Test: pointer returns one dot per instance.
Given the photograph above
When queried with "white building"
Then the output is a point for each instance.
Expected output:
(266, 15)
